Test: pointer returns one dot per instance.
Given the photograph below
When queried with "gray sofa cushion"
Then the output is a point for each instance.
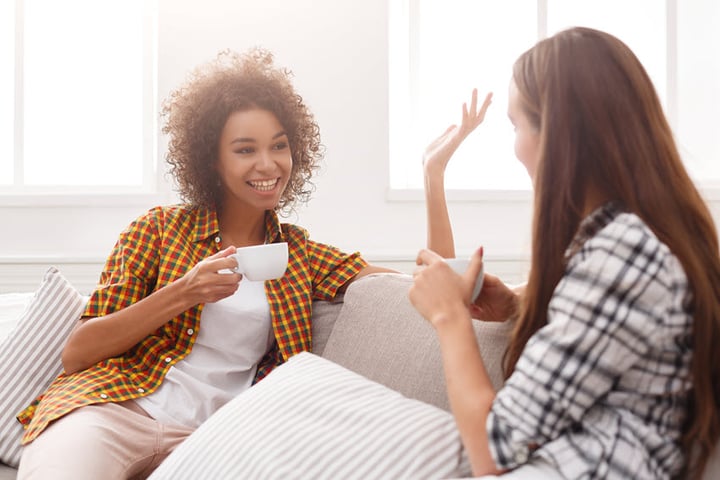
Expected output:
(380, 335)
(7, 473)
(324, 315)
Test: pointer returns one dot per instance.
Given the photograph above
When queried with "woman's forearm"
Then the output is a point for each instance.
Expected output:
(439, 230)
(470, 391)
(96, 339)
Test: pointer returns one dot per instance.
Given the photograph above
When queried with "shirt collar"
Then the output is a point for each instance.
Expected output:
(273, 229)
(207, 225)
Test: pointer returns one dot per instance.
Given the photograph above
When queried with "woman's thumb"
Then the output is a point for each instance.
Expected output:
(475, 267)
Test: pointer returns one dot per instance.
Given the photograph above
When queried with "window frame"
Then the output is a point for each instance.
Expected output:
(403, 28)
(152, 189)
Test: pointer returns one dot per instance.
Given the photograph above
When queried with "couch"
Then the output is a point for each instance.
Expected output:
(374, 331)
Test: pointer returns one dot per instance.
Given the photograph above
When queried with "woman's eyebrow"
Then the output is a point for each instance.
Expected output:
(243, 140)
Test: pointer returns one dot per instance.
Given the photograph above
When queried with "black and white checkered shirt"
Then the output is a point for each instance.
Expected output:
(602, 387)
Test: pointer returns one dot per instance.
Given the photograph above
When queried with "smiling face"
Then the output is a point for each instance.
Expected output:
(254, 160)
(527, 136)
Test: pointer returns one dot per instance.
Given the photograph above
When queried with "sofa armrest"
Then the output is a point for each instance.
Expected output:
(380, 335)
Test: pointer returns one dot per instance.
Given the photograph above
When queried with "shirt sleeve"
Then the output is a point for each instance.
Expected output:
(331, 268)
(130, 272)
(601, 319)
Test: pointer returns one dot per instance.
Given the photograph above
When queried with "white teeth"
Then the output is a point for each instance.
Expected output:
(263, 185)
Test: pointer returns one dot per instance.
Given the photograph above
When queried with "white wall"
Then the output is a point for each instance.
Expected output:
(338, 52)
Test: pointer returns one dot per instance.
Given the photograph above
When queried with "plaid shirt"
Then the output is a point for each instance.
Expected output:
(157, 249)
(602, 387)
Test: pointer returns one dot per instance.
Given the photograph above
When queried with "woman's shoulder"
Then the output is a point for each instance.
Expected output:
(165, 217)
(610, 228)
(299, 240)
(628, 230)
(627, 241)
(170, 213)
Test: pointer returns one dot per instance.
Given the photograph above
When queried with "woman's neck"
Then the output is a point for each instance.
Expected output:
(593, 200)
(241, 228)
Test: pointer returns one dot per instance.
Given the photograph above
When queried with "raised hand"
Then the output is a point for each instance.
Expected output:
(436, 157)
(438, 153)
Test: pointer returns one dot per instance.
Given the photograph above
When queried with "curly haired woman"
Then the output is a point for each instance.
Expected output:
(169, 336)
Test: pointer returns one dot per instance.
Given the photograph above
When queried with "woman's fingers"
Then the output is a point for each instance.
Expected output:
(427, 257)
(222, 253)
(475, 267)
(485, 106)
(473, 103)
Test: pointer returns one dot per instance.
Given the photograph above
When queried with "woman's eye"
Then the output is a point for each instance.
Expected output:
(280, 146)
(244, 150)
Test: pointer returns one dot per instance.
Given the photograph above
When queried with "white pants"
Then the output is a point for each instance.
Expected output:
(104, 441)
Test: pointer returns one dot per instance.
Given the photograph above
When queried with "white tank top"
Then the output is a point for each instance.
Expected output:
(235, 333)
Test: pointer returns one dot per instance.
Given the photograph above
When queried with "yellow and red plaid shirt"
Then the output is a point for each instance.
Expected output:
(154, 251)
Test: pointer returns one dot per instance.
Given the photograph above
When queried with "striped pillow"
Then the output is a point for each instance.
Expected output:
(311, 418)
(30, 354)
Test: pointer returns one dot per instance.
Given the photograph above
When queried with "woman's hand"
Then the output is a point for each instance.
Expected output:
(443, 297)
(205, 283)
(496, 303)
(440, 294)
(438, 153)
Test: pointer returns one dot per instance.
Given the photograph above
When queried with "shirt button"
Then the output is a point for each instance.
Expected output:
(190, 331)
(168, 359)
(103, 396)
(521, 456)
(141, 390)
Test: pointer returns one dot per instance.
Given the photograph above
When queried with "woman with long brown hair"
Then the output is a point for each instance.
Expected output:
(610, 371)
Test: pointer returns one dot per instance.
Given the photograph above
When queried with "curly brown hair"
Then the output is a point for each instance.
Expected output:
(195, 115)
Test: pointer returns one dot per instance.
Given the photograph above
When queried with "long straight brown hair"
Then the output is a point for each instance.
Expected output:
(602, 129)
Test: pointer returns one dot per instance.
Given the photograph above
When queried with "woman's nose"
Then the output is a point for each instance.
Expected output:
(265, 162)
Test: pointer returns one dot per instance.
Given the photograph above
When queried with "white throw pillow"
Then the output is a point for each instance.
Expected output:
(311, 418)
(30, 354)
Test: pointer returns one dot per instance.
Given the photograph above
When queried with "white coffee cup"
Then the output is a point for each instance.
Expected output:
(262, 262)
(460, 265)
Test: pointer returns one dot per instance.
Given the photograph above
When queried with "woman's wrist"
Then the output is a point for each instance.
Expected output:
(451, 318)
(434, 180)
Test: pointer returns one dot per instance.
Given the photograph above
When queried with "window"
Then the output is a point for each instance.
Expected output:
(79, 95)
(441, 50)
(7, 90)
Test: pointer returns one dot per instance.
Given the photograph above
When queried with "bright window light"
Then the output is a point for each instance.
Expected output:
(698, 86)
(455, 47)
(83, 93)
(7, 89)
(646, 38)
(440, 50)
(77, 97)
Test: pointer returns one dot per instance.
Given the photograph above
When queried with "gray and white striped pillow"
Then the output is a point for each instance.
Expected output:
(30, 354)
(311, 418)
